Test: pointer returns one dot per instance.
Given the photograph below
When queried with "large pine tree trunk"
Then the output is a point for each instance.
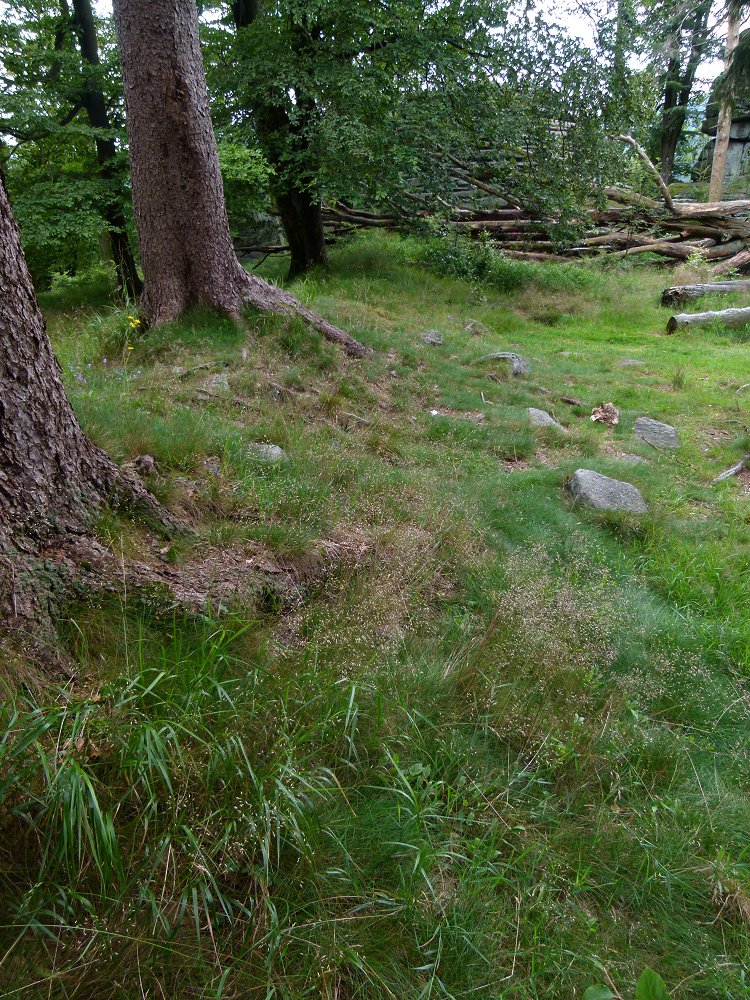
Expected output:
(53, 479)
(128, 279)
(186, 247)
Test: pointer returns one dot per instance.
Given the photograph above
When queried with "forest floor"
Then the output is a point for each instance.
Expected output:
(452, 736)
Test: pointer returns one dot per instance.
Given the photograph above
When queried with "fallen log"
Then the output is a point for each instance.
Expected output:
(710, 209)
(727, 317)
(678, 295)
(541, 258)
(632, 198)
(723, 250)
(679, 251)
(736, 263)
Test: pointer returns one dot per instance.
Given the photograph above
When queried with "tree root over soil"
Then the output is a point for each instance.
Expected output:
(268, 298)
(217, 579)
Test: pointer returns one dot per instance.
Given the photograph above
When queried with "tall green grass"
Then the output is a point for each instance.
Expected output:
(491, 744)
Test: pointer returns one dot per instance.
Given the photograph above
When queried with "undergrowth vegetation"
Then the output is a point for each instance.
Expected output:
(487, 744)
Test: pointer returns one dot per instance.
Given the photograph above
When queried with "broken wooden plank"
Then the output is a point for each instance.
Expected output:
(735, 470)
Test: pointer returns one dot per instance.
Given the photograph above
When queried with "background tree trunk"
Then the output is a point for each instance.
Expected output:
(679, 86)
(186, 247)
(297, 201)
(128, 279)
(724, 124)
(53, 479)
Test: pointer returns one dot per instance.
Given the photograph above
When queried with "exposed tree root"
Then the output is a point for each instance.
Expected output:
(217, 579)
(269, 298)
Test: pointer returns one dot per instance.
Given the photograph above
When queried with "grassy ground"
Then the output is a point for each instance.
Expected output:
(492, 745)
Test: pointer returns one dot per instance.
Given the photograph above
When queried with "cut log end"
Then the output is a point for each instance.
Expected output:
(727, 317)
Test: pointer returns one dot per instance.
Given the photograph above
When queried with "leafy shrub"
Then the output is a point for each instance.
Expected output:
(482, 263)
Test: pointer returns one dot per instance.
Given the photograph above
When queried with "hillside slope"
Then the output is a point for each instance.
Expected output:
(447, 735)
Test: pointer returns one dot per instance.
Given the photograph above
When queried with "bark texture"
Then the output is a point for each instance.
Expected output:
(298, 204)
(92, 98)
(53, 479)
(187, 254)
(678, 84)
(727, 317)
(724, 124)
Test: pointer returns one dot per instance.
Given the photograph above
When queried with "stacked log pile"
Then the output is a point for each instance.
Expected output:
(629, 225)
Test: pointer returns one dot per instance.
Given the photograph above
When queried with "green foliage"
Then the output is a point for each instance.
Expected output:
(481, 263)
(650, 987)
(59, 193)
(245, 174)
(367, 102)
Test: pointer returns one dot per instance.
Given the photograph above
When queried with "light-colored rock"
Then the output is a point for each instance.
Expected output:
(543, 419)
(267, 453)
(475, 328)
(629, 459)
(518, 364)
(655, 433)
(631, 363)
(433, 338)
(218, 384)
(602, 493)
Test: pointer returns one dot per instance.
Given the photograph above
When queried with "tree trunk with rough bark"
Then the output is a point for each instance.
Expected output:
(299, 206)
(186, 247)
(678, 86)
(53, 479)
(302, 220)
(724, 124)
(128, 279)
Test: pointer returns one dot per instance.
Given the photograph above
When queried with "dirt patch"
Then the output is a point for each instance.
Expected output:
(546, 458)
(217, 578)
(444, 411)
(516, 465)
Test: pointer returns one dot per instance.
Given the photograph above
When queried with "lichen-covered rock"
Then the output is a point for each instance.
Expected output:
(267, 453)
(543, 419)
(218, 384)
(518, 365)
(602, 493)
(655, 433)
(433, 338)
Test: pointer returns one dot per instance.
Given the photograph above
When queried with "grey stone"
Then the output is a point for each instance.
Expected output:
(475, 328)
(267, 453)
(212, 465)
(655, 433)
(543, 419)
(631, 363)
(518, 365)
(218, 383)
(602, 493)
(433, 338)
(145, 465)
(630, 459)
